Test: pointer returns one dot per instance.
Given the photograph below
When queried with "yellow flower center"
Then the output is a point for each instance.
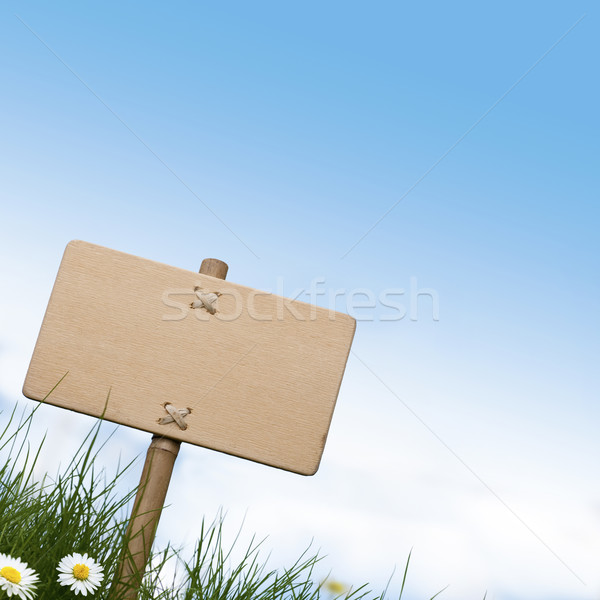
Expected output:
(81, 572)
(11, 574)
(336, 587)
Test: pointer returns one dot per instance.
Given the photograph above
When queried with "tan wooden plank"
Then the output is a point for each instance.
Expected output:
(261, 375)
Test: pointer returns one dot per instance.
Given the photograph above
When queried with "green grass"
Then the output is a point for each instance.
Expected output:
(42, 521)
(81, 510)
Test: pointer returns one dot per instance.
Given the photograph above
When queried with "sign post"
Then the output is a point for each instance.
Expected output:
(191, 358)
(151, 494)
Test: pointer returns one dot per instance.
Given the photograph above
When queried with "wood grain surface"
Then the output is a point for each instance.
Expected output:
(261, 376)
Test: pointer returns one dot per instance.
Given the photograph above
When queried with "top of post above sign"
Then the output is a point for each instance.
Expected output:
(191, 357)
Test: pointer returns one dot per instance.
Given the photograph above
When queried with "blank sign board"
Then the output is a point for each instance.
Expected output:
(248, 373)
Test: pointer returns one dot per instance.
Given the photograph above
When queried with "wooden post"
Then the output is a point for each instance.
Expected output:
(151, 493)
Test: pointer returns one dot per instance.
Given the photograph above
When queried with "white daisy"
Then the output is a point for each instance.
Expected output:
(16, 578)
(82, 573)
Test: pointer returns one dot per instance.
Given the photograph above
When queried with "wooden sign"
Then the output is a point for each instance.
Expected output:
(190, 357)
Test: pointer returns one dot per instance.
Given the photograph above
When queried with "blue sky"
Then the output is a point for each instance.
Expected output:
(276, 136)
